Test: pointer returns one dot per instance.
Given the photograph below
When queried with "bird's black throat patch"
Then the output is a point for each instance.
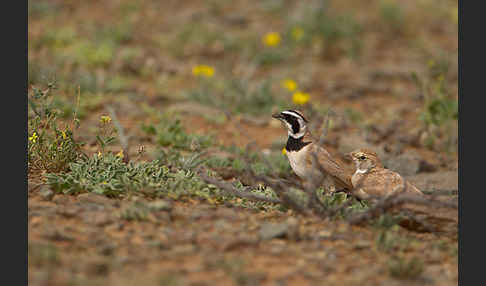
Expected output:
(295, 144)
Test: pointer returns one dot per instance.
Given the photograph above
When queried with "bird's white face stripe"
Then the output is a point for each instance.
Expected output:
(293, 114)
(300, 120)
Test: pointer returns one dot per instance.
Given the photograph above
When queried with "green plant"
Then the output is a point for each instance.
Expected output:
(333, 34)
(108, 175)
(137, 211)
(41, 8)
(50, 148)
(389, 239)
(169, 132)
(271, 57)
(354, 115)
(197, 36)
(440, 111)
(93, 54)
(386, 221)
(392, 14)
(42, 255)
(385, 241)
(104, 136)
(407, 269)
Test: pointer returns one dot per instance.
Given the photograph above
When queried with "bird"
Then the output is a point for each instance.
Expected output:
(301, 146)
(372, 180)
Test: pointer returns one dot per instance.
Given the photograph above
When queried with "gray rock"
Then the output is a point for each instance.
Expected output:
(93, 198)
(61, 199)
(46, 193)
(438, 181)
(98, 218)
(273, 230)
(160, 205)
(406, 164)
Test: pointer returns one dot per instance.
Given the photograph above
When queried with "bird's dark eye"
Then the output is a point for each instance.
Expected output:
(362, 157)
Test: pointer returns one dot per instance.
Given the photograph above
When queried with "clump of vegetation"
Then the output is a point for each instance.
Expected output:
(136, 212)
(406, 269)
(392, 15)
(332, 34)
(440, 111)
(43, 255)
(50, 147)
(274, 163)
(169, 132)
(108, 175)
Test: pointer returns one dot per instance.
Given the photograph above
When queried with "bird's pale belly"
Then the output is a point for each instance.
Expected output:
(298, 162)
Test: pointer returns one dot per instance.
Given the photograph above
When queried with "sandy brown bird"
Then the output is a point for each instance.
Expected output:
(371, 179)
(300, 147)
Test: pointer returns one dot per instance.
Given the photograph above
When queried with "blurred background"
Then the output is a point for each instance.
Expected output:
(386, 72)
(372, 62)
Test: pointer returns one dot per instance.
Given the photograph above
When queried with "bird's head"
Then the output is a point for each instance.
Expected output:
(294, 121)
(365, 160)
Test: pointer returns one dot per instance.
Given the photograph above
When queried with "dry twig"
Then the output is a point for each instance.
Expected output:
(231, 190)
(394, 200)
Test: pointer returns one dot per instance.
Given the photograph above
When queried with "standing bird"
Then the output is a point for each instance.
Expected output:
(300, 149)
(371, 179)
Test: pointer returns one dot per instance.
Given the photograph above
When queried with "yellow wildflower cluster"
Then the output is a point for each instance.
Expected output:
(289, 84)
(300, 97)
(284, 151)
(34, 137)
(203, 70)
(271, 39)
(105, 119)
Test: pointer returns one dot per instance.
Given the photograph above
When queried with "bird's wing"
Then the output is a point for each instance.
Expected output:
(412, 189)
(397, 180)
(342, 178)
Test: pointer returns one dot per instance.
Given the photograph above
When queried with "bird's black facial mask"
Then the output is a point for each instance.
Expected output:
(295, 121)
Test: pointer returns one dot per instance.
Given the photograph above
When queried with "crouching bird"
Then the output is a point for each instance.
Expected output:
(371, 179)
(300, 149)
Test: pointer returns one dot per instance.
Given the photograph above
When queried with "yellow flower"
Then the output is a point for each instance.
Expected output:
(297, 33)
(99, 154)
(203, 70)
(300, 97)
(120, 154)
(105, 119)
(63, 134)
(289, 84)
(271, 39)
(34, 137)
(284, 151)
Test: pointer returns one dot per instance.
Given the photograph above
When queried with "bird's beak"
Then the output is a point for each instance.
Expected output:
(277, 115)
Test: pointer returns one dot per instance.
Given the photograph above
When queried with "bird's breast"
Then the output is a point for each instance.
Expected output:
(298, 162)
